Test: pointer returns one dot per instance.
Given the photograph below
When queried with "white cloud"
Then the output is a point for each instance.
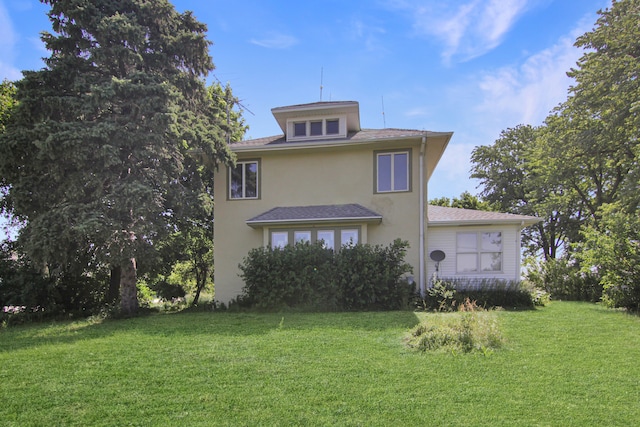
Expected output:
(7, 42)
(275, 41)
(526, 93)
(369, 34)
(467, 29)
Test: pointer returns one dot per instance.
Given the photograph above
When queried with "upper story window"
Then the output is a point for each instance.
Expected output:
(333, 127)
(317, 127)
(243, 180)
(300, 129)
(392, 171)
(478, 252)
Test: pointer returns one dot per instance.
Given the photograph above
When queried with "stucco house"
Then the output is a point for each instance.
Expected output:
(327, 179)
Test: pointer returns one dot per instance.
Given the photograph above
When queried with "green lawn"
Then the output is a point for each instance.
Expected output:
(566, 364)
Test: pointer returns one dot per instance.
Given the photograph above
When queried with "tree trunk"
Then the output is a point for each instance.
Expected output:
(114, 285)
(128, 289)
(201, 281)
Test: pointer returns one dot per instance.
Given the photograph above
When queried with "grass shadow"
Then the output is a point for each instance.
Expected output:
(188, 324)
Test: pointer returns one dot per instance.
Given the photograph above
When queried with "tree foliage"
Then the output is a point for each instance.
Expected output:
(465, 201)
(510, 182)
(7, 102)
(98, 156)
(612, 250)
(581, 170)
(594, 148)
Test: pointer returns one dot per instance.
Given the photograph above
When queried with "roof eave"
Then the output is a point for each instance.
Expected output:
(520, 222)
(337, 143)
(343, 220)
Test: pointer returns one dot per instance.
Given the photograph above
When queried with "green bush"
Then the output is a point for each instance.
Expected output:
(168, 291)
(440, 296)
(308, 276)
(612, 252)
(448, 294)
(35, 295)
(563, 280)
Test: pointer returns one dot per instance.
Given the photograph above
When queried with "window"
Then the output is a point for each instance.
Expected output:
(300, 129)
(315, 128)
(333, 127)
(392, 172)
(279, 239)
(243, 180)
(301, 236)
(479, 252)
(347, 237)
(327, 237)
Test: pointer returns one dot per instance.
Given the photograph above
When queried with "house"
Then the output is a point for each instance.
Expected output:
(327, 179)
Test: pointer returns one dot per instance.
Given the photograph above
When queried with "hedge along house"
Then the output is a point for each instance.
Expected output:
(327, 179)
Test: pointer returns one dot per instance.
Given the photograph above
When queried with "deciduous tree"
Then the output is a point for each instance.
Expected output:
(510, 182)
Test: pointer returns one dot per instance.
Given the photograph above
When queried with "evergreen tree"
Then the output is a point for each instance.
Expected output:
(98, 156)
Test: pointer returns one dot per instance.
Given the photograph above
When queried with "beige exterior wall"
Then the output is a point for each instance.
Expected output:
(444, 239)
(322, 176)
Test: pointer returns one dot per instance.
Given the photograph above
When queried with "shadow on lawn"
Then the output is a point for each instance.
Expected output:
(241, 324)
(199, 324)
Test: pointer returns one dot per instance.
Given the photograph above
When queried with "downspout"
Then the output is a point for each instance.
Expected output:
(519, 248)
(421, 277)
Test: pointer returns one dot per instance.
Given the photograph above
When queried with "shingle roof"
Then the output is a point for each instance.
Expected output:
(316, 104)
(440, 215)
(314, 214)
(362, 135)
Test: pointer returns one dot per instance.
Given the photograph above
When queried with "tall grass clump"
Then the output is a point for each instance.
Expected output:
(470, 329)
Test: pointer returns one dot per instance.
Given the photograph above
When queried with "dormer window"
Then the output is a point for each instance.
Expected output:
(300, 129)
(314, 128)
(333, 127)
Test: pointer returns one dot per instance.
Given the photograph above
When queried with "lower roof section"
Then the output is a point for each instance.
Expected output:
(445, 216)
(320, 214)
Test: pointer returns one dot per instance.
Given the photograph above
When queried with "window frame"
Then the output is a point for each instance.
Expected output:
(376, 170)
(478, 252)
(244, 163)
(336, 230)
(341, 129)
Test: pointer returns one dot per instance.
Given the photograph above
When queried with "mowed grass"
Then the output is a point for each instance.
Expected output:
(562, 365)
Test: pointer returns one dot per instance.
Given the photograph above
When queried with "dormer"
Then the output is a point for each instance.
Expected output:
(318, 120)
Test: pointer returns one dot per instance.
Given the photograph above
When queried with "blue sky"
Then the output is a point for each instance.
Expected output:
(474, 67)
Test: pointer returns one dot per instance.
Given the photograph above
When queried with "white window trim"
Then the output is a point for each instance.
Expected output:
(244, 164)
(377, 174)
(342, 127)
(479, 251)
(337, 234)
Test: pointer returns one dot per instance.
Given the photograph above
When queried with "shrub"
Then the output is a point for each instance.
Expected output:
(168, 291)
(440, 296)
(563, 280)
(308, 276)
(448, 294)
(612, 251)
(369, 277)
(61, 293)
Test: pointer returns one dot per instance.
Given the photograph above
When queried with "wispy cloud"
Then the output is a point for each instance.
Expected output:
(526, 93)
(8, 40)
(275, 41)
(466, 29)
(369, 34)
